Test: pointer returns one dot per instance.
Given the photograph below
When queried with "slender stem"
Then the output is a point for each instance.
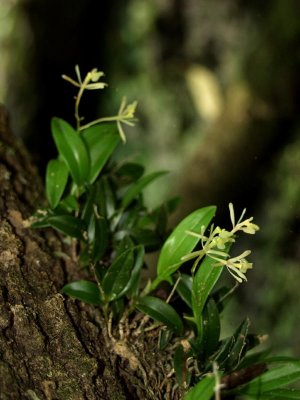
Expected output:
(78, 98)
(99, 120)
(229, 292)
(173, 290)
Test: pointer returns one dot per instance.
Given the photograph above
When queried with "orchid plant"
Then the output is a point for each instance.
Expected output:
(97, 202)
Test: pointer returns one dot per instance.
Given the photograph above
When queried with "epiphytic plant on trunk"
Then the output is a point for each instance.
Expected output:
(96, 201)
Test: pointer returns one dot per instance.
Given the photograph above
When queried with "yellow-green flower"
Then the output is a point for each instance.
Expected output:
(216, 241)
(236, 266)
(125, 116)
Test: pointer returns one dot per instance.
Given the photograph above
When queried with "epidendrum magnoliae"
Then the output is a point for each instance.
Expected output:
(96, 201)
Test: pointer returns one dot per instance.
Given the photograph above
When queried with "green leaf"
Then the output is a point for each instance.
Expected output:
(40, 222)
(118, 307)
(160, 311)
(165, 335)
(106, 197)
(203, 390)
(211, 328)
(83, 290)
(98, 237)
(280, 394)
(184, 289)
(129, 172)
(67, 224)
(89, 203)
(69, 204)
(84, 256)
(181, 371)
(125, 244)
(128, 219)
(72, 150)
(280, 359)
(138, 187)
(132, 286)
(101, 141)
(255, 358)
(147, 237)
(204, 280)
(231, 351)
(118, 274)
(56, 180)
(132, 277)
(172, 204)
(179, 243)
(237, 351)
(272, 380)
(161, 217)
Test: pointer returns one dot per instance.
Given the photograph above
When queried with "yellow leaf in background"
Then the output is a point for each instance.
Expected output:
(205, 91)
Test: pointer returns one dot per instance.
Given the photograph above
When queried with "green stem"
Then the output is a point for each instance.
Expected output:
(99, 120)
(78, 98)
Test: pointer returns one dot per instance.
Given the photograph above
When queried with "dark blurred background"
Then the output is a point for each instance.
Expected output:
(217, 84)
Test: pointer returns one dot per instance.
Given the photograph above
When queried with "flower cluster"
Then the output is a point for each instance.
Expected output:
(218, 242)
(93, 76)
(126, 116)
(91, 82)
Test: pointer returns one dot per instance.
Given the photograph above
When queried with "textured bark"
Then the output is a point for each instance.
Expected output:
(50, 347)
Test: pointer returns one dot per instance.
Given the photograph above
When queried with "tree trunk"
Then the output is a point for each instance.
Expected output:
(51, 347)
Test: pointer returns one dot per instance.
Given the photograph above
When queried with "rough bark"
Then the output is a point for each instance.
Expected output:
(51, 347)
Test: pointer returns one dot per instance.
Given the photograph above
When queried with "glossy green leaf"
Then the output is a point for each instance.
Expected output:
(101, 141)
(72, 150)
(135, 189)
(211, 328)
(204, 281)
(89, 203)
(272, 380)
(67, 224)
(203, 390)
(160, 311)
(98, 237)
(69, 204)
(131, 286)
(83, 290)
(179, 365)
(118, 274)
(182, 373)
(56, 180)
(184, 289)
(125, 244)
(238, 349)
(231, 351)
(179, 243)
